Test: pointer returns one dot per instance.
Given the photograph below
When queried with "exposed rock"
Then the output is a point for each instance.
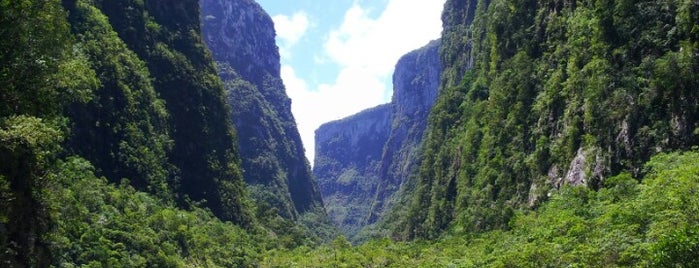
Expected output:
(576, 172)
(348, 154)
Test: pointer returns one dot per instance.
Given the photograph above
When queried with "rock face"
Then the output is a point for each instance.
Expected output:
(362, 160)
(415, 88)
(240, 36)
(347, 161)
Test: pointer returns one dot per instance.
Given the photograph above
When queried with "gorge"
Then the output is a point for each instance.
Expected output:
(533, 133)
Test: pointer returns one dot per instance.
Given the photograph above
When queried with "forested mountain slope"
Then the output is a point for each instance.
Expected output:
(539, 94)
(549, 144)
(415, 88)
(138, 49)
(625, 224)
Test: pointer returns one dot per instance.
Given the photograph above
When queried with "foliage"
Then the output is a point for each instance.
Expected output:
(28, 146)
(625, 223)
(101, 224)
(81, 78)
(40, 72)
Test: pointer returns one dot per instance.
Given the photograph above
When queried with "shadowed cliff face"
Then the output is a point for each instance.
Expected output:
(165, 35)
(362, 160)
(415, 86)
(347, 161)
(240, 36)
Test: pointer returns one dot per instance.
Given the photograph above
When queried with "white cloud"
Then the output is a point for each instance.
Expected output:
(365, 50)
(376, 44)
(353, 88)
(290, 29)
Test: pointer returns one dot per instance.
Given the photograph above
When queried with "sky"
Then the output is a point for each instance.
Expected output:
(338, 56)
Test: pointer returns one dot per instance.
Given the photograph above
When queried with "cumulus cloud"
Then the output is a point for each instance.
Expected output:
(376, 44)
(290, 30)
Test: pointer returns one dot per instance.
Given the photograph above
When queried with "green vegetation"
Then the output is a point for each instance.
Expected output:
(96, 94)
(100, 224)
(71, 84)
(625, 223)
(166, 36)
(123, 128)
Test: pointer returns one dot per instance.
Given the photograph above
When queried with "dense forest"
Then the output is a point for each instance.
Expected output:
(564, 133)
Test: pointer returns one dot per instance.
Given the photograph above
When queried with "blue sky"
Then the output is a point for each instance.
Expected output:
(338, 56)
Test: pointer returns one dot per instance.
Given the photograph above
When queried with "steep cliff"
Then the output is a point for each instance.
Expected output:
(560, 92)
(362, 160)
(241, 36)
(347, 163)
(123, 129)
(415, 86)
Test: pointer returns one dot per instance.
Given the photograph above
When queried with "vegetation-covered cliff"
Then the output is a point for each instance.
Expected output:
(560, 92)
(537, 150)
(139, 49)
(126, 90)
(240, 36)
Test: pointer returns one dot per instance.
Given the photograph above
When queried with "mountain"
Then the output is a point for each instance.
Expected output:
(362, 160)
(536, 95)
(347, 162)
(241, 35)
(564, 133)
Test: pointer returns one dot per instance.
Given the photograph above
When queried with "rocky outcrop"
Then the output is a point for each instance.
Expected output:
(361, 161)
(240, 36)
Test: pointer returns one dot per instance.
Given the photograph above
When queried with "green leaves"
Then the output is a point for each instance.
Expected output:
(39, 137)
